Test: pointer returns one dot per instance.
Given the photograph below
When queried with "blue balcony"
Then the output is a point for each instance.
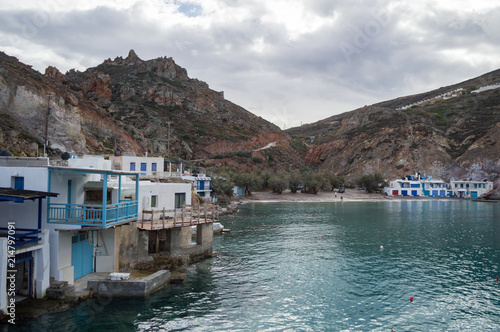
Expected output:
(100, 213)
(93, 215)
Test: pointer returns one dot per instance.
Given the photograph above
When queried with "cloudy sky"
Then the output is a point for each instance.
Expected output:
(289, 61)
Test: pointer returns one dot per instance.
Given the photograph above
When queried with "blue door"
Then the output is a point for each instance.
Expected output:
(414, 193)
(82, 255)
(404, 192)
(202, 185)
(473, 194)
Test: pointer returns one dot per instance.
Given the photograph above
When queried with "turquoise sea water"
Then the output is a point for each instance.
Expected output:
(349, 266)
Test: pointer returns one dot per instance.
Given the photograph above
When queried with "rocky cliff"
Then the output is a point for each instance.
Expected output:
(129, 104)
(449, 132)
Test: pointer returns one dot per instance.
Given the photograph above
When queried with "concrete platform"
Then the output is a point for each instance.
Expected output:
(133, 288)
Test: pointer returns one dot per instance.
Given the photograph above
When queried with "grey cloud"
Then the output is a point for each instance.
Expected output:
(313, 69)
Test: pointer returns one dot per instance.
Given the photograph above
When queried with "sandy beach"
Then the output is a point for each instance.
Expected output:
(350, 195)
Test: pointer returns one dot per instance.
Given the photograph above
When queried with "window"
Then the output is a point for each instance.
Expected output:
(180, 199)
(154, 201)
(132, 166)
(153, 167)
(144, 167)
(415, 185)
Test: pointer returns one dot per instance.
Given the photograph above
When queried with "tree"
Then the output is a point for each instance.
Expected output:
(248, 182)
(222, 185)
(295, 181)
(371, 182)
(314, 182)
(335, 181)
(278, 183)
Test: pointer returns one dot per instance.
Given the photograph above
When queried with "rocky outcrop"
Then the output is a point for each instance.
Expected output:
(127, 104)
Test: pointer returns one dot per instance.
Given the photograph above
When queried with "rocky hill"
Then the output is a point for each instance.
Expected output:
(127, 104)
(449, 132)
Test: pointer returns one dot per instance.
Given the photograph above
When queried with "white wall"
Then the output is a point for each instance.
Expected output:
(3, 275)
(90, 161)
(62, 270)
(165, 192)
(42, 266)
(105, 253)
(123, 163)
(24, 214)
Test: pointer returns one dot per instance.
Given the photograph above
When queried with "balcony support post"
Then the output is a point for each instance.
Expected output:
(104, 198)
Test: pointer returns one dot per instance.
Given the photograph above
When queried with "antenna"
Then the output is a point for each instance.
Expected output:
(168, 138)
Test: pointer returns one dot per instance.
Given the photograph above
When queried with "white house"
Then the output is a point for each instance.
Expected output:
(157, 196)
(149, 166)
(94, 207)
(470, 189)
(202, 184)
(404, 187)
(23, 189)
(436, 188)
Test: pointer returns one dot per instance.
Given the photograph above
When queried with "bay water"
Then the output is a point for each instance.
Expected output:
(343, 266)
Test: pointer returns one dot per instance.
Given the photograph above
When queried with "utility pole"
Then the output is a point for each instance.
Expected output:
(47, 123)
(168, 138)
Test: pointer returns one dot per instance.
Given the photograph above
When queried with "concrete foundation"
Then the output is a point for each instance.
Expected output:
(139, 288)
(179, 240)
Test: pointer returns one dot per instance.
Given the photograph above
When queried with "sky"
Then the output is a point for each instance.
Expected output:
(291, 62)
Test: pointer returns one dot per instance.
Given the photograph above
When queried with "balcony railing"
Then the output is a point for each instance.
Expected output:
(22, 236)
(92, 215)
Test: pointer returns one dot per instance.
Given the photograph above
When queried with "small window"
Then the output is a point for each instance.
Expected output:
(180, 199)
(153, 167)
(144, 167)
(132, 166)
(154, 201)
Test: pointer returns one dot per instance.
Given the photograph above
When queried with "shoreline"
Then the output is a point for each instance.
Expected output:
(350, 195)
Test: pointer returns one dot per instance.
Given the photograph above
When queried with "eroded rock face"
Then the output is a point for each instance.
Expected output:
(128, 104)
(446, 138)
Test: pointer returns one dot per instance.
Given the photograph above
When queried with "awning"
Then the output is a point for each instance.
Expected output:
(19, 195)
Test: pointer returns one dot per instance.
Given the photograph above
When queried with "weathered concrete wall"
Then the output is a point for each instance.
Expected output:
(126, 246)
(186, 236)
(205, 237)
(179, 240)
(131, 247)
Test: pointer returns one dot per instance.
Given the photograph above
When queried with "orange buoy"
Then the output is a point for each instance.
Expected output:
(497, 278)
(378, 232)
(411, 298)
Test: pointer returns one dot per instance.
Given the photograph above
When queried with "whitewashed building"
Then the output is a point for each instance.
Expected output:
(202, 184)
(149, 166)
(405, 187)
(470, 189)
(87, 218)
(156, 196)
(436, 188)
(23, 192)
